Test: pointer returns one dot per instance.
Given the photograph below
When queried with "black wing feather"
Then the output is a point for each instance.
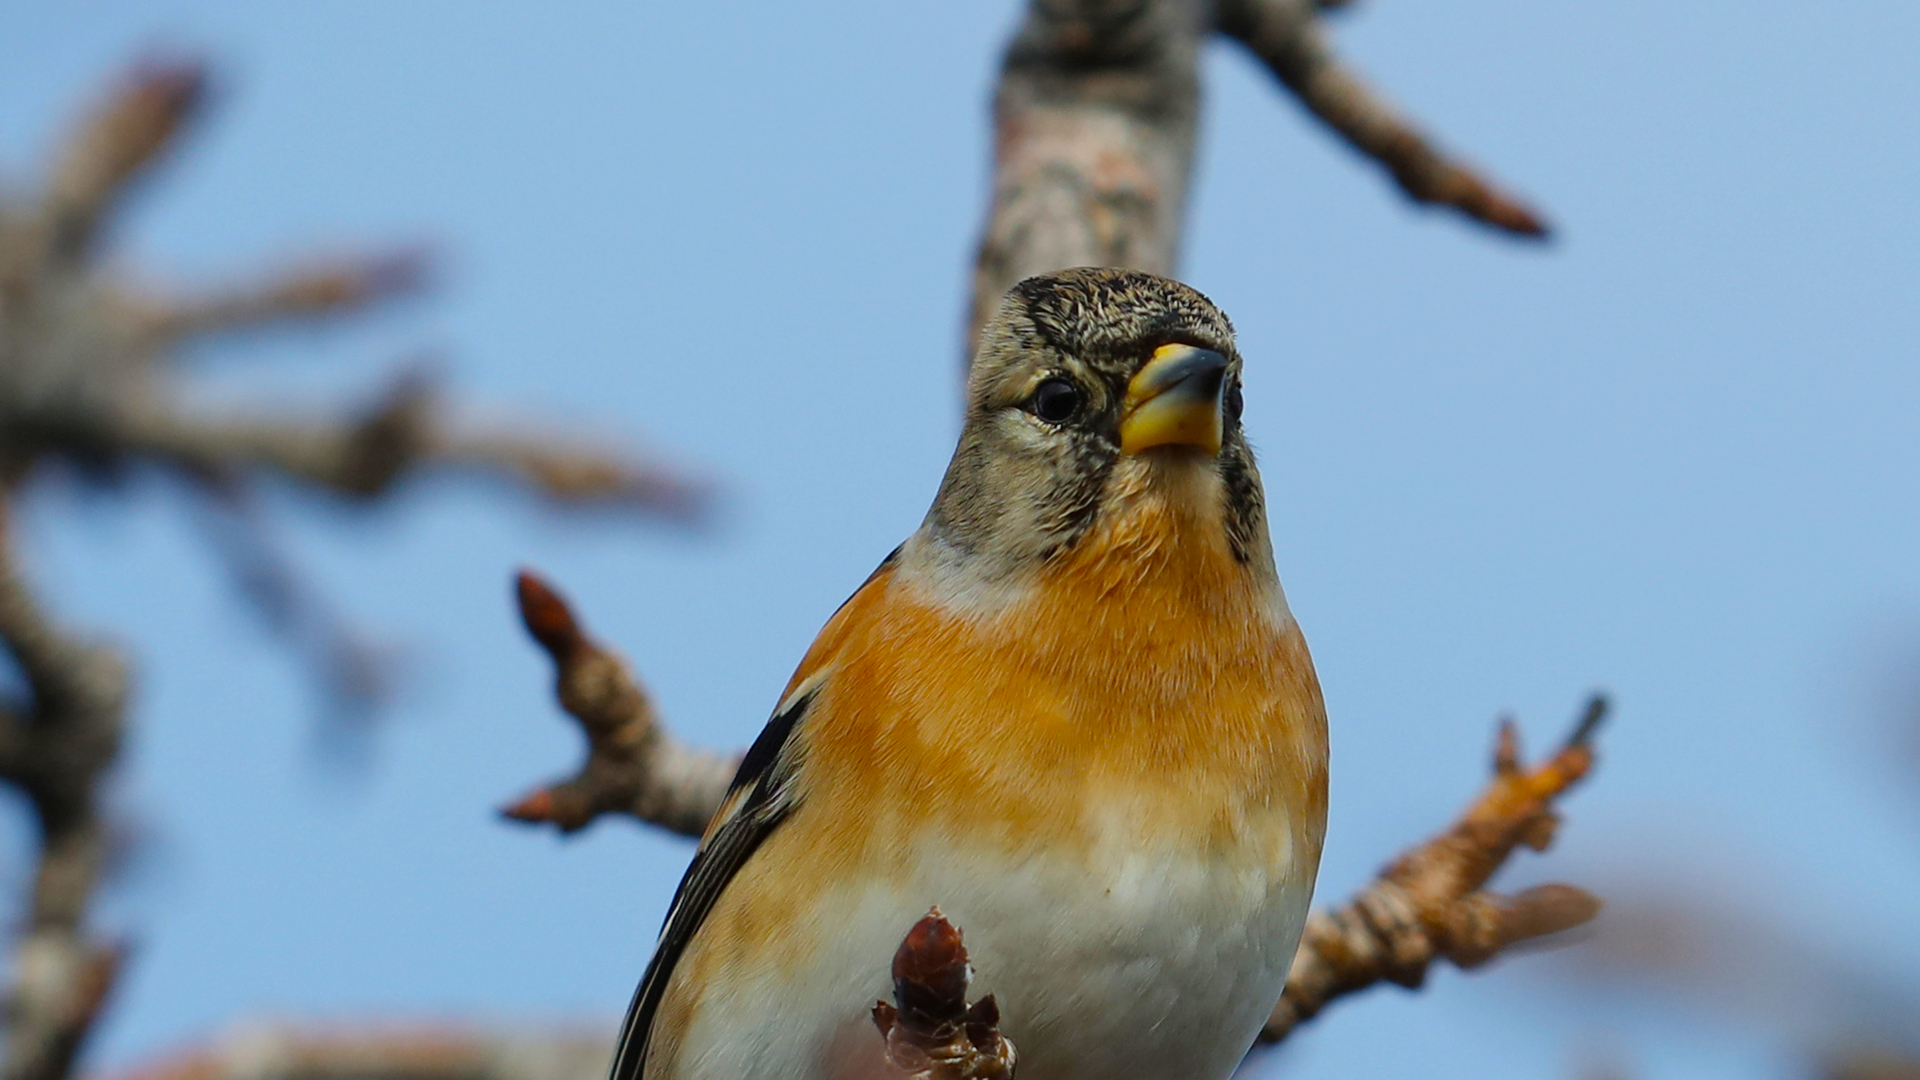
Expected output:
(767, 773)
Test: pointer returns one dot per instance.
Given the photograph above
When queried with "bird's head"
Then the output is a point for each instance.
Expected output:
(1103, 409)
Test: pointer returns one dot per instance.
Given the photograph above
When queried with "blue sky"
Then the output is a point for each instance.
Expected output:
(1673, 454)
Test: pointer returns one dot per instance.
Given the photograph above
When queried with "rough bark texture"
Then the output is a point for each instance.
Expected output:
(1094, 123)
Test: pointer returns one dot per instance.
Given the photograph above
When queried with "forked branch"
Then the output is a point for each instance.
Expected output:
(1428, 904)
(633, 765)
(1095, 117)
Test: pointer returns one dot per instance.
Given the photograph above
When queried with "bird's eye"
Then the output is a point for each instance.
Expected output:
(1235, 403)
(1055, 400)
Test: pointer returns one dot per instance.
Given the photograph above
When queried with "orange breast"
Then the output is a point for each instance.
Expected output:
(1147, 665)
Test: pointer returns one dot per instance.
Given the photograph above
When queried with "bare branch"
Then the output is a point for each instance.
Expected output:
(353, 670)
(403, 432)
(1287, 37)
(633, 766)
(384, 1051)
(1094, 124)
(570, 470)
(86, 378)
(1428, 904)
(58, 753)
(1871, 1063)
(930, 1030)
(1093, 142)
(135, 123)
(301, 292)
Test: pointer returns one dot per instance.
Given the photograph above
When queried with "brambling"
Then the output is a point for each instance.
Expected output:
(1073, 710)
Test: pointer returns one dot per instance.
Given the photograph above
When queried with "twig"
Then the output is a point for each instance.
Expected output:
(384, 1051)
(1094, 121)
(354, 670)
(930, 1030)
(87, 371)
(57, 749)
(134, 126)
(1428, 904)
(633, 766)
(302, 292)
(1289, 40)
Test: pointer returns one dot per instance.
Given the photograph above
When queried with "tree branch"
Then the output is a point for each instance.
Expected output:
(1428, 905)
(1289, 40)
(1094, 121)
(1093, 142)
(133, 126)
(633, 766)
(59, 749)
(87, 372)
(308, 291)
(405, 431)
(388, 1051)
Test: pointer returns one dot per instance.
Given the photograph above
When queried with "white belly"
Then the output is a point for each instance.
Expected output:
(1150, 962)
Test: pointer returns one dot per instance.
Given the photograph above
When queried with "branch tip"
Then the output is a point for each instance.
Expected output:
(546, 615)
(1595, 714)
(1430, 904)
(1506, 748)
(929, 1030)
(535, 809)
(930, 972)
(1545, 910)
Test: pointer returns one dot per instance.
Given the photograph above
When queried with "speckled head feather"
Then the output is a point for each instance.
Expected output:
(1022, 490)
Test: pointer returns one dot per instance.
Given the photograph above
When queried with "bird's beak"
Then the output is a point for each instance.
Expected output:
(1174, 401)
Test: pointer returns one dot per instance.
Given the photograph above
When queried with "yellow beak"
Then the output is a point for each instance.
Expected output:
(1174, 401)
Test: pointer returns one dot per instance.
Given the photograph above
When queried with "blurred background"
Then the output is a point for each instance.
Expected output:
(1672, 454)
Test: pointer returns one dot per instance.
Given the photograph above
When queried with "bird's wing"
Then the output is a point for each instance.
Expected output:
(763, 793)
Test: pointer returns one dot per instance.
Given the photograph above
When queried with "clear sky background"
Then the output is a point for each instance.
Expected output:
(1673, 455)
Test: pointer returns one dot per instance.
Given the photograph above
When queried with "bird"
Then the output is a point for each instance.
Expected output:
(1073, 710)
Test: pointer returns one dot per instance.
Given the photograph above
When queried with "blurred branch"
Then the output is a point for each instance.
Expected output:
(1094, 126)
(302, 292)
(132, 127)
(57, 749)
(1871, 1064)
(1287, 37)
(633, 766)
(87, 374)
(1428, 905)
(1697, 936)
(384, 1052)
(355, 672)
(87, 380)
